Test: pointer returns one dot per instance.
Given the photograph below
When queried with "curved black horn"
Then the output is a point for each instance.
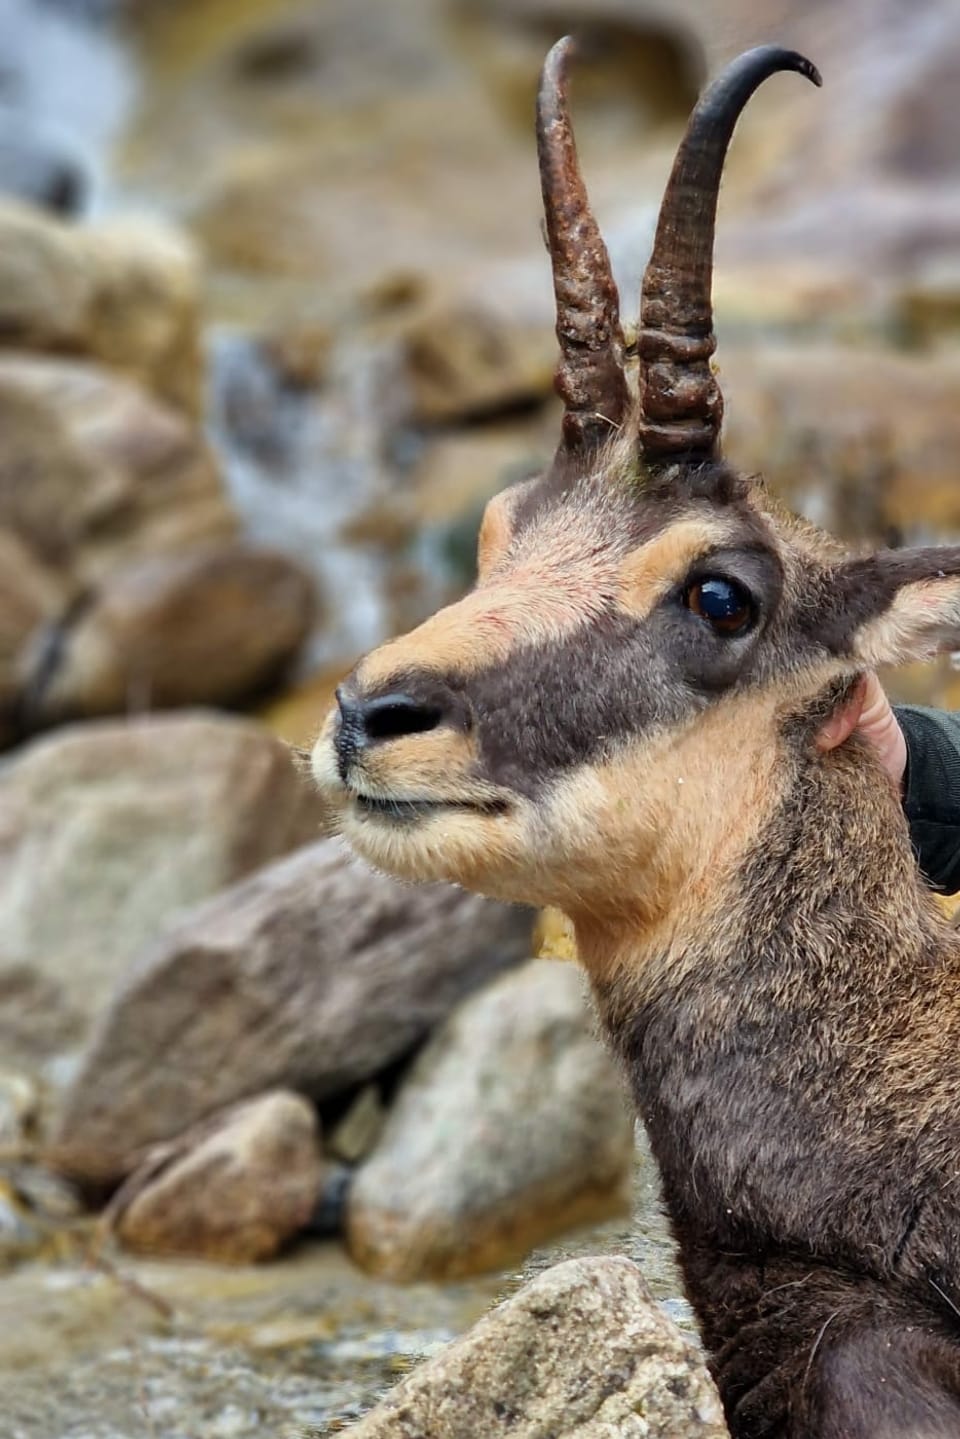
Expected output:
(590, 378)
(681, 403)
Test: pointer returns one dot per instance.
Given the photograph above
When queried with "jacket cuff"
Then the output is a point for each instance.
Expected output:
(932, 792)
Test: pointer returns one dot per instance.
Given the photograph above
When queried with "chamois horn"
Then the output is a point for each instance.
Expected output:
(681, 407)
(590, 376)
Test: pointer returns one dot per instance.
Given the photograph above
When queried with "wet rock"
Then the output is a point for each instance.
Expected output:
(106, 831)
(94, 471)
(125, 293)
(581, 1352)
(511, 1126)
(208, 626)
(465, 363)
(235, 1189)
(313, 975)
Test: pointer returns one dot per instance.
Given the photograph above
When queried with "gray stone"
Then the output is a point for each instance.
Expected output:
(511, 1127)
(107, 830)
(312, 975)
(356, 1133)
(581, 1352)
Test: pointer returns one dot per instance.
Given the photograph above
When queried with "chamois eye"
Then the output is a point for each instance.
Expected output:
(724, 605)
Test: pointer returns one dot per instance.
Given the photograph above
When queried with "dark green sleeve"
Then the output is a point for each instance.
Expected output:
(932, 800)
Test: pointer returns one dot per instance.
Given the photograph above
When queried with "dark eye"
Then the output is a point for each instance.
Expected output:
(725, 605)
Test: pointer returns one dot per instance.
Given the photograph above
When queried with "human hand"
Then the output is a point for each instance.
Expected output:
(868, 711)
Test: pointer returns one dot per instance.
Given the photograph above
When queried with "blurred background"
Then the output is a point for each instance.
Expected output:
(275, 321)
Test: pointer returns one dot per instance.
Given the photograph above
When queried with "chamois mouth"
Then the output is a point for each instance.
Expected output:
(408, 811)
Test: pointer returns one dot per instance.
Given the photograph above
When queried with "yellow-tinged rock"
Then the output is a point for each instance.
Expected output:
(553, 936)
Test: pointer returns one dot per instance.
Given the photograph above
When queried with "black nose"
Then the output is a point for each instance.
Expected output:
(364, 722)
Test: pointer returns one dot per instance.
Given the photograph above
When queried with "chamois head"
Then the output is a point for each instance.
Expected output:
(606, 715)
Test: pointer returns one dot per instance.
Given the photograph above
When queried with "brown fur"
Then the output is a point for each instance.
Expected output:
(767, 962)
(783, 993)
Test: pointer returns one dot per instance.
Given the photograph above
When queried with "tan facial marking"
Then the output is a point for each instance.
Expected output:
(496, 527)
(560, 579)
(648, 573)
(660, 813)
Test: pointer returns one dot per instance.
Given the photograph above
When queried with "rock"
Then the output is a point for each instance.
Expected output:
(313, 975)
(554, 937)
(19, 1105)
(48, 1196)
(144, 317)
(861, 444)
(581, 1352)
(212, 625)
(122, 292)
(465, 363)
(356, 1133)
(30, 596)
(511, 1127)
(94, 471)
(929, 303)
(106, 831)
(235, 1188)
(22, 1237)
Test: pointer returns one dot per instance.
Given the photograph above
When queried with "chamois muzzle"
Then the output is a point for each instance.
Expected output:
(365, 722)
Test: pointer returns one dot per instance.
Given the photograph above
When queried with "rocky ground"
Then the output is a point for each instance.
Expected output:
(275, 320)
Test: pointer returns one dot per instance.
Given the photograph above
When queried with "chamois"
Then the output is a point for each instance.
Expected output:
(619, 720)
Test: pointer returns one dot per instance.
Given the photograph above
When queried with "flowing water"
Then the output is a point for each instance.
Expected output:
(191, 1351)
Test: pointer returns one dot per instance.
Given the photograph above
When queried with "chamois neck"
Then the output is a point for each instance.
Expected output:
(781, 1030)
(826, 890)
(782, 1050)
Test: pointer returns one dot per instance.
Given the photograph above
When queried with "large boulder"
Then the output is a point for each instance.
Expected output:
(511, 1126)
(94, 471)
(315, 974)
(235, 1188)
(581, 1352)
(106, 831)
(211, 625)
(126, 293)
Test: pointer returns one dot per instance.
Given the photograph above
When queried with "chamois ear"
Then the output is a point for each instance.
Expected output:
(895, 606)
